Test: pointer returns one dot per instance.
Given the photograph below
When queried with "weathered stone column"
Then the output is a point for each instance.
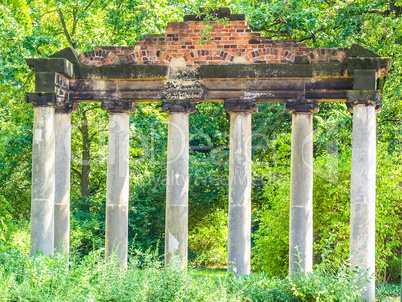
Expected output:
(362, 212)
(62, 181)
(117, 191)
(239, 224)
(301, 187)
(43, 179)
(176, 225)
(46, 98)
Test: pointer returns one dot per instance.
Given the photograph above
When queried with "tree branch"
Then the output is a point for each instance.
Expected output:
(76, 172)
(95, 133)
(27, 79)
(63, 23)
(379, 12)
(389, 120)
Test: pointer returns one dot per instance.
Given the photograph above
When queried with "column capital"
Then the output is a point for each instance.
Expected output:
(364, 98)
(67, 107)
(40, 99)
(51, 99)
(302, 106)
(117, 106)
(172, 106)
(236, 106)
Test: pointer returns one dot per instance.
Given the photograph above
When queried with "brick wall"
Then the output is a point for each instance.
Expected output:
(231, 43)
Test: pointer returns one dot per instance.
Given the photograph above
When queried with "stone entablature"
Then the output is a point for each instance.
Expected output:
(233, 42)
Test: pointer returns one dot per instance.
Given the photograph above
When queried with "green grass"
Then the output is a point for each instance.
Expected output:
(208, 272)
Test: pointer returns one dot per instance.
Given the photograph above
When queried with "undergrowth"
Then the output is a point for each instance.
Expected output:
(92, 278)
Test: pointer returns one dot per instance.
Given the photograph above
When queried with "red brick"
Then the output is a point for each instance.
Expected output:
(236, 34)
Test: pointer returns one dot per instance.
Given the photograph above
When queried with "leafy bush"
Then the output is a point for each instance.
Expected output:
(92, 278)
(271, 240)
(208, 241)
(385, 290)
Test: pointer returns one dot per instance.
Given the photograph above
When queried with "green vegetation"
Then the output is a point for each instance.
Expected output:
(39, 278)
(57, 278)
(39, 28)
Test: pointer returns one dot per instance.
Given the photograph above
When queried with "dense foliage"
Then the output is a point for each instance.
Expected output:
(38, 28)
(91, 278)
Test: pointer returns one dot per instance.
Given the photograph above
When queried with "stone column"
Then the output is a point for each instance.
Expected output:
(117, 191)
(239, 232)
(62, 181)
(362, 210)
(176, 225)
(43, 180)
(301, 187)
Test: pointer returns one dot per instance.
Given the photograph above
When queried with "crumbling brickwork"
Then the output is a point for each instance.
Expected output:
(229, 43)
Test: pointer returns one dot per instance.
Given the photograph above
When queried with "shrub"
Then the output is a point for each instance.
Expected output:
(208, 241)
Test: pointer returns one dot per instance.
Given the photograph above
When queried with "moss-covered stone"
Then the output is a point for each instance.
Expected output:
(256, 71)
(363, 64)
(359, 51)
(45, 81)
(71, 55)
(59, 65)
(123, 72)
(329, 69)
(364, 80)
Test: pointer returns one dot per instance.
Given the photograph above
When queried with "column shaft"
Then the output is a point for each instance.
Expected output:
(301, 194)
(176, 227)
(239, 235)
(362, 212)
(117, 187)
(62, 183)
(43, 181)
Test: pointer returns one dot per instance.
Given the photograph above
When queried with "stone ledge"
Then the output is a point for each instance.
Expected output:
(124, 72)
(58, 65)
(256, 71)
